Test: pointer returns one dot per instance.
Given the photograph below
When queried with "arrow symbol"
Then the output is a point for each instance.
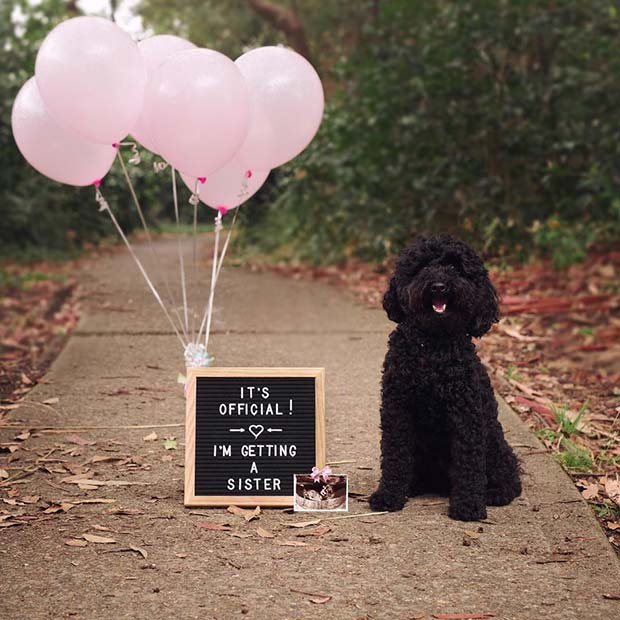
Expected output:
(237, 430)
(274, 430)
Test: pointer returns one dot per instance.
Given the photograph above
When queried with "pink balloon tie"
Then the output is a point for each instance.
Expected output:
(248, 174)
(222, 209)
(115, 145)
(97, 182)
(202, 179)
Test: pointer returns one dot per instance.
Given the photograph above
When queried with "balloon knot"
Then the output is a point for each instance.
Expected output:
(97, 182)
(222, 209)
(115, 145)
(202, 179)
(248, 174)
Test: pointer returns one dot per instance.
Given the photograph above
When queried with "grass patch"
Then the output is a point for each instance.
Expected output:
(574, 457)
(568, 426)
(22, 280)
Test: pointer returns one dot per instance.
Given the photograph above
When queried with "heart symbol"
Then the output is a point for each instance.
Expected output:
(256, 429)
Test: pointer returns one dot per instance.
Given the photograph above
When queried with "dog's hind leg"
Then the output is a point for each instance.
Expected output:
(503, 483)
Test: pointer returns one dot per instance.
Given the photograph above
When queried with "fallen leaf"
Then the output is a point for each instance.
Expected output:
(75, 542)
(133, 548)
(472, 534)
(214, 526)
(76, 478)
(4, 473)
(612, 488)
(94, 500)
(291, 543)
(101, 528)
(170, 444)
(30, 499)
(591, 491)
(93, 538)
(318, 598)
(241, 535)
(263, 533)
(318, 531)
(612, 597)
(464, 616)
(150, 437)
(76, 439)
(51, 401)
(23, 436)
(101, 458)
(303, 523)
(181, 555)
(248, 515)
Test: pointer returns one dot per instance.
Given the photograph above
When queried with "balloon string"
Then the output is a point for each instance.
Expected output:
(160, 166)
(194, 260)
(219, 267)
(104, 206)
(219, 262)
(181, 262)
(135, 153)
(148, 234)
(218, 228)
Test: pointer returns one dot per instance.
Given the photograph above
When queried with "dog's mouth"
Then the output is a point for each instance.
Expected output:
(439, 303)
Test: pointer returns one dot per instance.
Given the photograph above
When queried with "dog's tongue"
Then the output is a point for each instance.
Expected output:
(439, 306)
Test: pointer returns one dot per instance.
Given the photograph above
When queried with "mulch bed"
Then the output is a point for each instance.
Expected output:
(555, 357)
(38, 311)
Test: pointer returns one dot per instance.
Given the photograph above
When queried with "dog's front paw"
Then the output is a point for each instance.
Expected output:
(467, 510)
(384, 500)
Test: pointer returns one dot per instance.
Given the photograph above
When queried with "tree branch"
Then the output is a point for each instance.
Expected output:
(286, 22)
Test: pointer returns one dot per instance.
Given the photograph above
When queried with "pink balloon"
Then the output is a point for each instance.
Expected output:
(229, 186)
(156, 50)
(287, 103)
(56, 152)
(197, 110)
(91, 77)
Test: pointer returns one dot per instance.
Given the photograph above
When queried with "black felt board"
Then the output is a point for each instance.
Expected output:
(295, 399)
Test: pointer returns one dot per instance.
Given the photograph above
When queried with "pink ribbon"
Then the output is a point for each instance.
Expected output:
(321, 473)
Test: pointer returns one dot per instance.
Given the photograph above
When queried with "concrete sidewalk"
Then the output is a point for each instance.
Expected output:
(543, 557)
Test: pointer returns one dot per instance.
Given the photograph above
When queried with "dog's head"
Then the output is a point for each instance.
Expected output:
(440, 285)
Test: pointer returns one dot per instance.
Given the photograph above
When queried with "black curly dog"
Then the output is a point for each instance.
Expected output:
(440, 432)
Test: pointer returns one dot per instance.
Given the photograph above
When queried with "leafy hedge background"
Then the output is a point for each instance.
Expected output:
(496, 120)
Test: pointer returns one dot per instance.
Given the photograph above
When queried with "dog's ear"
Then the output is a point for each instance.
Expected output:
(391, 303)
(487, 309)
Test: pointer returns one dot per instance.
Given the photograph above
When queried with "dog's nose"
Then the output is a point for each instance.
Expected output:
(438, 288)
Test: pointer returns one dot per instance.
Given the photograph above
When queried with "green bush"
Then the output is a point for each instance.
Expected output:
(494, 120)
(41, 218)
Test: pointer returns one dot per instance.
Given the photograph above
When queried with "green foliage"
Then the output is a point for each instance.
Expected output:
(573, 456)
(566, 244)
(41, 218)
(511, 373)
(496, 121)
(569, 426)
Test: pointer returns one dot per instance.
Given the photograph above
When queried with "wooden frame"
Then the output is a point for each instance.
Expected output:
(190, 432)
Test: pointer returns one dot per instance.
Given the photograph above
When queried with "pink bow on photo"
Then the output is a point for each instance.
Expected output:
(321, 473)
